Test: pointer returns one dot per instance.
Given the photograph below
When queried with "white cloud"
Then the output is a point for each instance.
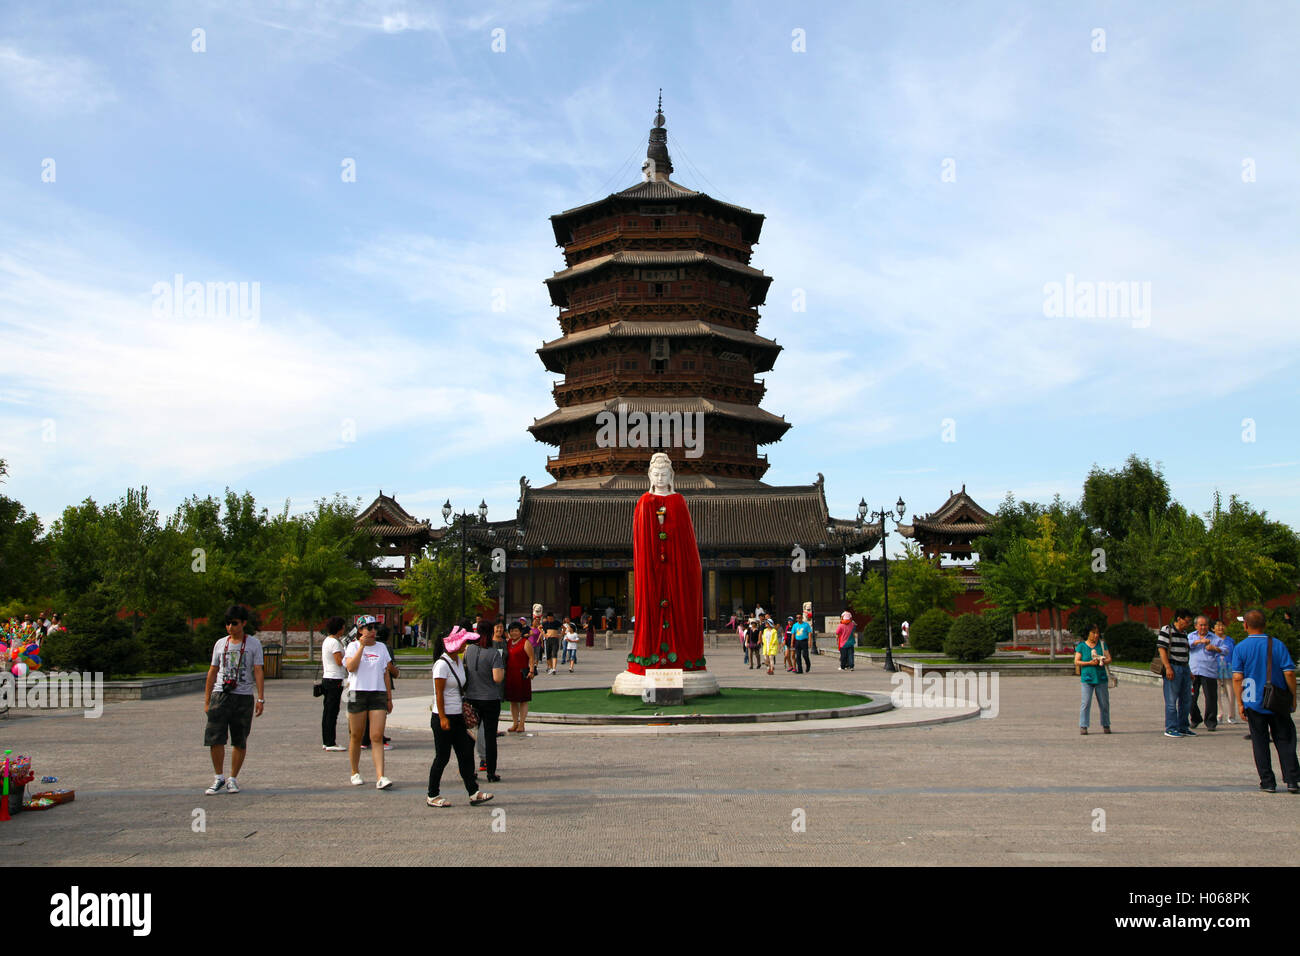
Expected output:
(53, 82)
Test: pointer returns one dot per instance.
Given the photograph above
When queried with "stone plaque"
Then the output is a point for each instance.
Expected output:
(662, 686)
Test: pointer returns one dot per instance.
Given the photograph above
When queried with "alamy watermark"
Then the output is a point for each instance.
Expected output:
(1084, 299)
(207, 300)
(946, 690)
(55, 689)
(651, 430)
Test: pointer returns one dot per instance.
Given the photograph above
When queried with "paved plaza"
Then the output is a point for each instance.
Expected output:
(1022, 788)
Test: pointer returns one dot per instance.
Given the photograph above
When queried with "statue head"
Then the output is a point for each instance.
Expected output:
(537, 610)
(661, 474)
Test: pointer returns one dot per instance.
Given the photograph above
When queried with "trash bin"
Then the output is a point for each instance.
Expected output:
(271, 660)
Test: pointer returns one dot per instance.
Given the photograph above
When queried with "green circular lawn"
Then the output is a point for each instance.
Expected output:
(731, 700)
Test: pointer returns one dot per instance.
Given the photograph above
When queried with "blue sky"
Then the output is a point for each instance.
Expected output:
(400, 313)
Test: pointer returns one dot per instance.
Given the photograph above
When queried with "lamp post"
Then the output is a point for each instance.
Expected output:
(900, 508)
(464, 518)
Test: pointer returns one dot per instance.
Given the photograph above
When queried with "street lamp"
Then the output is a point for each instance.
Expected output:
(464, 518)
(900, 508)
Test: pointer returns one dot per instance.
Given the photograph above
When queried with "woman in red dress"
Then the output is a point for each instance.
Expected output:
(521, 668)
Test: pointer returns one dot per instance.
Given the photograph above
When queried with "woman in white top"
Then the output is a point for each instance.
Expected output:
(448, 720)
(333, 675)
(370, 693)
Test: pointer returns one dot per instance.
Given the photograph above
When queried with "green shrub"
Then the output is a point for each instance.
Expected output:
(970, 639)
(1130, 641)
(999, 618)
(95, 640)
(1081, 620)
(873, 632)
(929, 630)
(165, 640)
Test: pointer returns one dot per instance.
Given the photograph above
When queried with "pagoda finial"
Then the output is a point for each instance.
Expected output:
(657, 166)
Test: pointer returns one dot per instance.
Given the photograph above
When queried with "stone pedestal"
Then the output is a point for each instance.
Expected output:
(694, 684)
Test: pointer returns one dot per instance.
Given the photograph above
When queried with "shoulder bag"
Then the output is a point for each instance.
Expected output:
(1276, 699)
(466, 708)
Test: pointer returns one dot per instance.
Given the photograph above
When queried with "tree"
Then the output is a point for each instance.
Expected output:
(916, 584)
(76, 550)
(1061, 568)
(1118, 505)
(23, 554)
(1221, 561)
(433, 588)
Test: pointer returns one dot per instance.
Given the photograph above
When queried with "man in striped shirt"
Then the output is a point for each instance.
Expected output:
(1174, 654)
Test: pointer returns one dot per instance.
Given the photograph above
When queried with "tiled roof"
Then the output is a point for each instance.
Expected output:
(387, 519)
(775, 425)
(653, 329)
(755, 518)
(655, 258)
(959, 516)
(658, 190)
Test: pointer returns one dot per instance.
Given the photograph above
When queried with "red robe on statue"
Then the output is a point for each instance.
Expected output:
(669, 605)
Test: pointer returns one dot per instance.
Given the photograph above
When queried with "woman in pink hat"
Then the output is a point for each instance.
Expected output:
(448, 720)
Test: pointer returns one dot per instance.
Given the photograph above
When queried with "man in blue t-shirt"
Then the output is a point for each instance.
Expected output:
(1249, 677)
(802, 633)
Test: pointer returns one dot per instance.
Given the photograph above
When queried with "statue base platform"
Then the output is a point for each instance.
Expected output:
(694, 684)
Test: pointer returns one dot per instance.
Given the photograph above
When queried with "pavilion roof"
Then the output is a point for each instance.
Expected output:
(385, 518)
(960, 515)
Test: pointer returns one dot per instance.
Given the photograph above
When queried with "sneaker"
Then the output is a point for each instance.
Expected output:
(365, 746)
(218, 786)
(334, 747)
(1293, 788)
(388, 746)
(1267, 788)
(356, 780)
(1172, 733)
(1190, 733)
(383, 783)
(232, 785)
(482, 766)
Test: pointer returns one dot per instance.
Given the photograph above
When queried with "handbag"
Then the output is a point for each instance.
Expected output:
(466, 708)
(318, 685)
(1158, 665)
(1276, 699)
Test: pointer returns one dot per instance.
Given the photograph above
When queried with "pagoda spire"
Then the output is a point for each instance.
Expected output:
(658, 166)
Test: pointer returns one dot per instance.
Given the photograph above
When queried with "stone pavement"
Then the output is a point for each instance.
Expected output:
(1023, 787)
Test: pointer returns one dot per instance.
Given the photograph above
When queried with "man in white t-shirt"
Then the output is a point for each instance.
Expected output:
(904, 629)
(236, 672)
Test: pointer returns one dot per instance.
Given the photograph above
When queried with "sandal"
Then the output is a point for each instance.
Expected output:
(437, 802)
(480, 797)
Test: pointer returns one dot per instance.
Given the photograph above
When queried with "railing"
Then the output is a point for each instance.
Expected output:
(624, 455)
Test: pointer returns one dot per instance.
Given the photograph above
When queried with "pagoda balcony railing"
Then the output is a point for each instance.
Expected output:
(619, 376)
(589, 239)
(602, 456)
(706, 295)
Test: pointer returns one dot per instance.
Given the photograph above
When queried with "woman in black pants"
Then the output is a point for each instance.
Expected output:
(448, 721)
(485, 674)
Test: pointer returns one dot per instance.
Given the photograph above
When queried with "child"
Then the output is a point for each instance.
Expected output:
(570, 653)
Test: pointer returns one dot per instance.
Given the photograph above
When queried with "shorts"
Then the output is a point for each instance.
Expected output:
(552, 647)
(363, 701)
(229, 713)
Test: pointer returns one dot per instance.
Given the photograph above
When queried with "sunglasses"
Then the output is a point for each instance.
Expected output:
(233, 622)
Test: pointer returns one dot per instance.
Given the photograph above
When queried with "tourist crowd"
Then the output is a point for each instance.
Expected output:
(481, 665)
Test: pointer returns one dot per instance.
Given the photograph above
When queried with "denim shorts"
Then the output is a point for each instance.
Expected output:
(363, 701)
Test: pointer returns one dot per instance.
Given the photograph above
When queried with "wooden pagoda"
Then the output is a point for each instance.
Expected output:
(658, 314)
